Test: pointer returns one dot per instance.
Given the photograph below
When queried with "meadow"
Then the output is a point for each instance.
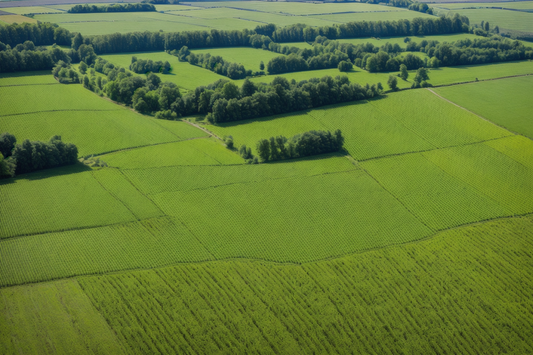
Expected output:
(519, 5)
(380, 41)
(249, 57)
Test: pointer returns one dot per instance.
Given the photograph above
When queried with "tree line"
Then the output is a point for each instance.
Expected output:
(138, 7)
(41, 34)
(33, 155)
(282, 96)
(214, 63)
(301, 145)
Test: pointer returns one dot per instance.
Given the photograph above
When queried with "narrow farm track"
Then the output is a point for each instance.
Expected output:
(147, 145)
(203, 129)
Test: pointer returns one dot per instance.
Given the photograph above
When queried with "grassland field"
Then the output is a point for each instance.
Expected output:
(504, 19)
(415, 239)
(519, 5)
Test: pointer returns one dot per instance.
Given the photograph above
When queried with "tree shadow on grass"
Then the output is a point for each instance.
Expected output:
(47, 173)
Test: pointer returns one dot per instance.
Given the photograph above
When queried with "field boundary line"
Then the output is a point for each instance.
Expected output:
(44, 111)
(139, 191)
(280, 263)
(436, 148)
(6, 86)
(397, 199)
(115, 197)
(203, 129)
(144, 146)
(195, 236)
(255, 181)
(478, 81)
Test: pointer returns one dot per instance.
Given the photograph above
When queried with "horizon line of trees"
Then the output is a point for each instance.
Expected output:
(128, 7)
(30, 156)
(298, 146)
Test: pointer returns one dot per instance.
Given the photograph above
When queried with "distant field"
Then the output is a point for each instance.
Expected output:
(505, 19)
(9, 19)
(192, 152)
(24, 10)
(520, 5)
(249, 57)
(27, 78)
(296, 8)
(377, 128)
(183, 74)
(485, 99)
(381, 301)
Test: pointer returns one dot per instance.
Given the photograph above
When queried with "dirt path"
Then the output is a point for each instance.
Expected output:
(203, 129)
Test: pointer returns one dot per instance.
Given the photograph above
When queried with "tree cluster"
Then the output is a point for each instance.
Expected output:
(64, 73)
(34, 155)
(300, 145)
(26, 57)
(282, 96)
(143, 66)
(421, 7)
(135, 7)
(41, 34)
(214, 63)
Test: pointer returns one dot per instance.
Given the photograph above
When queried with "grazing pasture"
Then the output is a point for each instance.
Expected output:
(471, 276)
(485, 99)
(400, 40)
(9, 19)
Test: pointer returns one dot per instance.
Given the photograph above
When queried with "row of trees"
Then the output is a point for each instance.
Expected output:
(138, 7)
(40, 34)
(300, 145)
(417, 26)
(34, 155)
(214, 63)
(28, 57)
(143, 66)
(282, 96)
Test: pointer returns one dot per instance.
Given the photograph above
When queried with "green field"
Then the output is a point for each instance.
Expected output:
(25, 10)
(249, 57)
(190, 152)
(505, 19)
(485, 99)
(415, 238)
(519, 5)
(378, 127)
(387, 300)
(400, 40)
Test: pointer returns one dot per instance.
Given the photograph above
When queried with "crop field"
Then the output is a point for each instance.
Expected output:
(57, 200)
(189, 152)
(272, 215)
(519, 5)
(137, 245)
(53, 317)
(166, 238)
(485, 99)
(385, 300)
(249, 57)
